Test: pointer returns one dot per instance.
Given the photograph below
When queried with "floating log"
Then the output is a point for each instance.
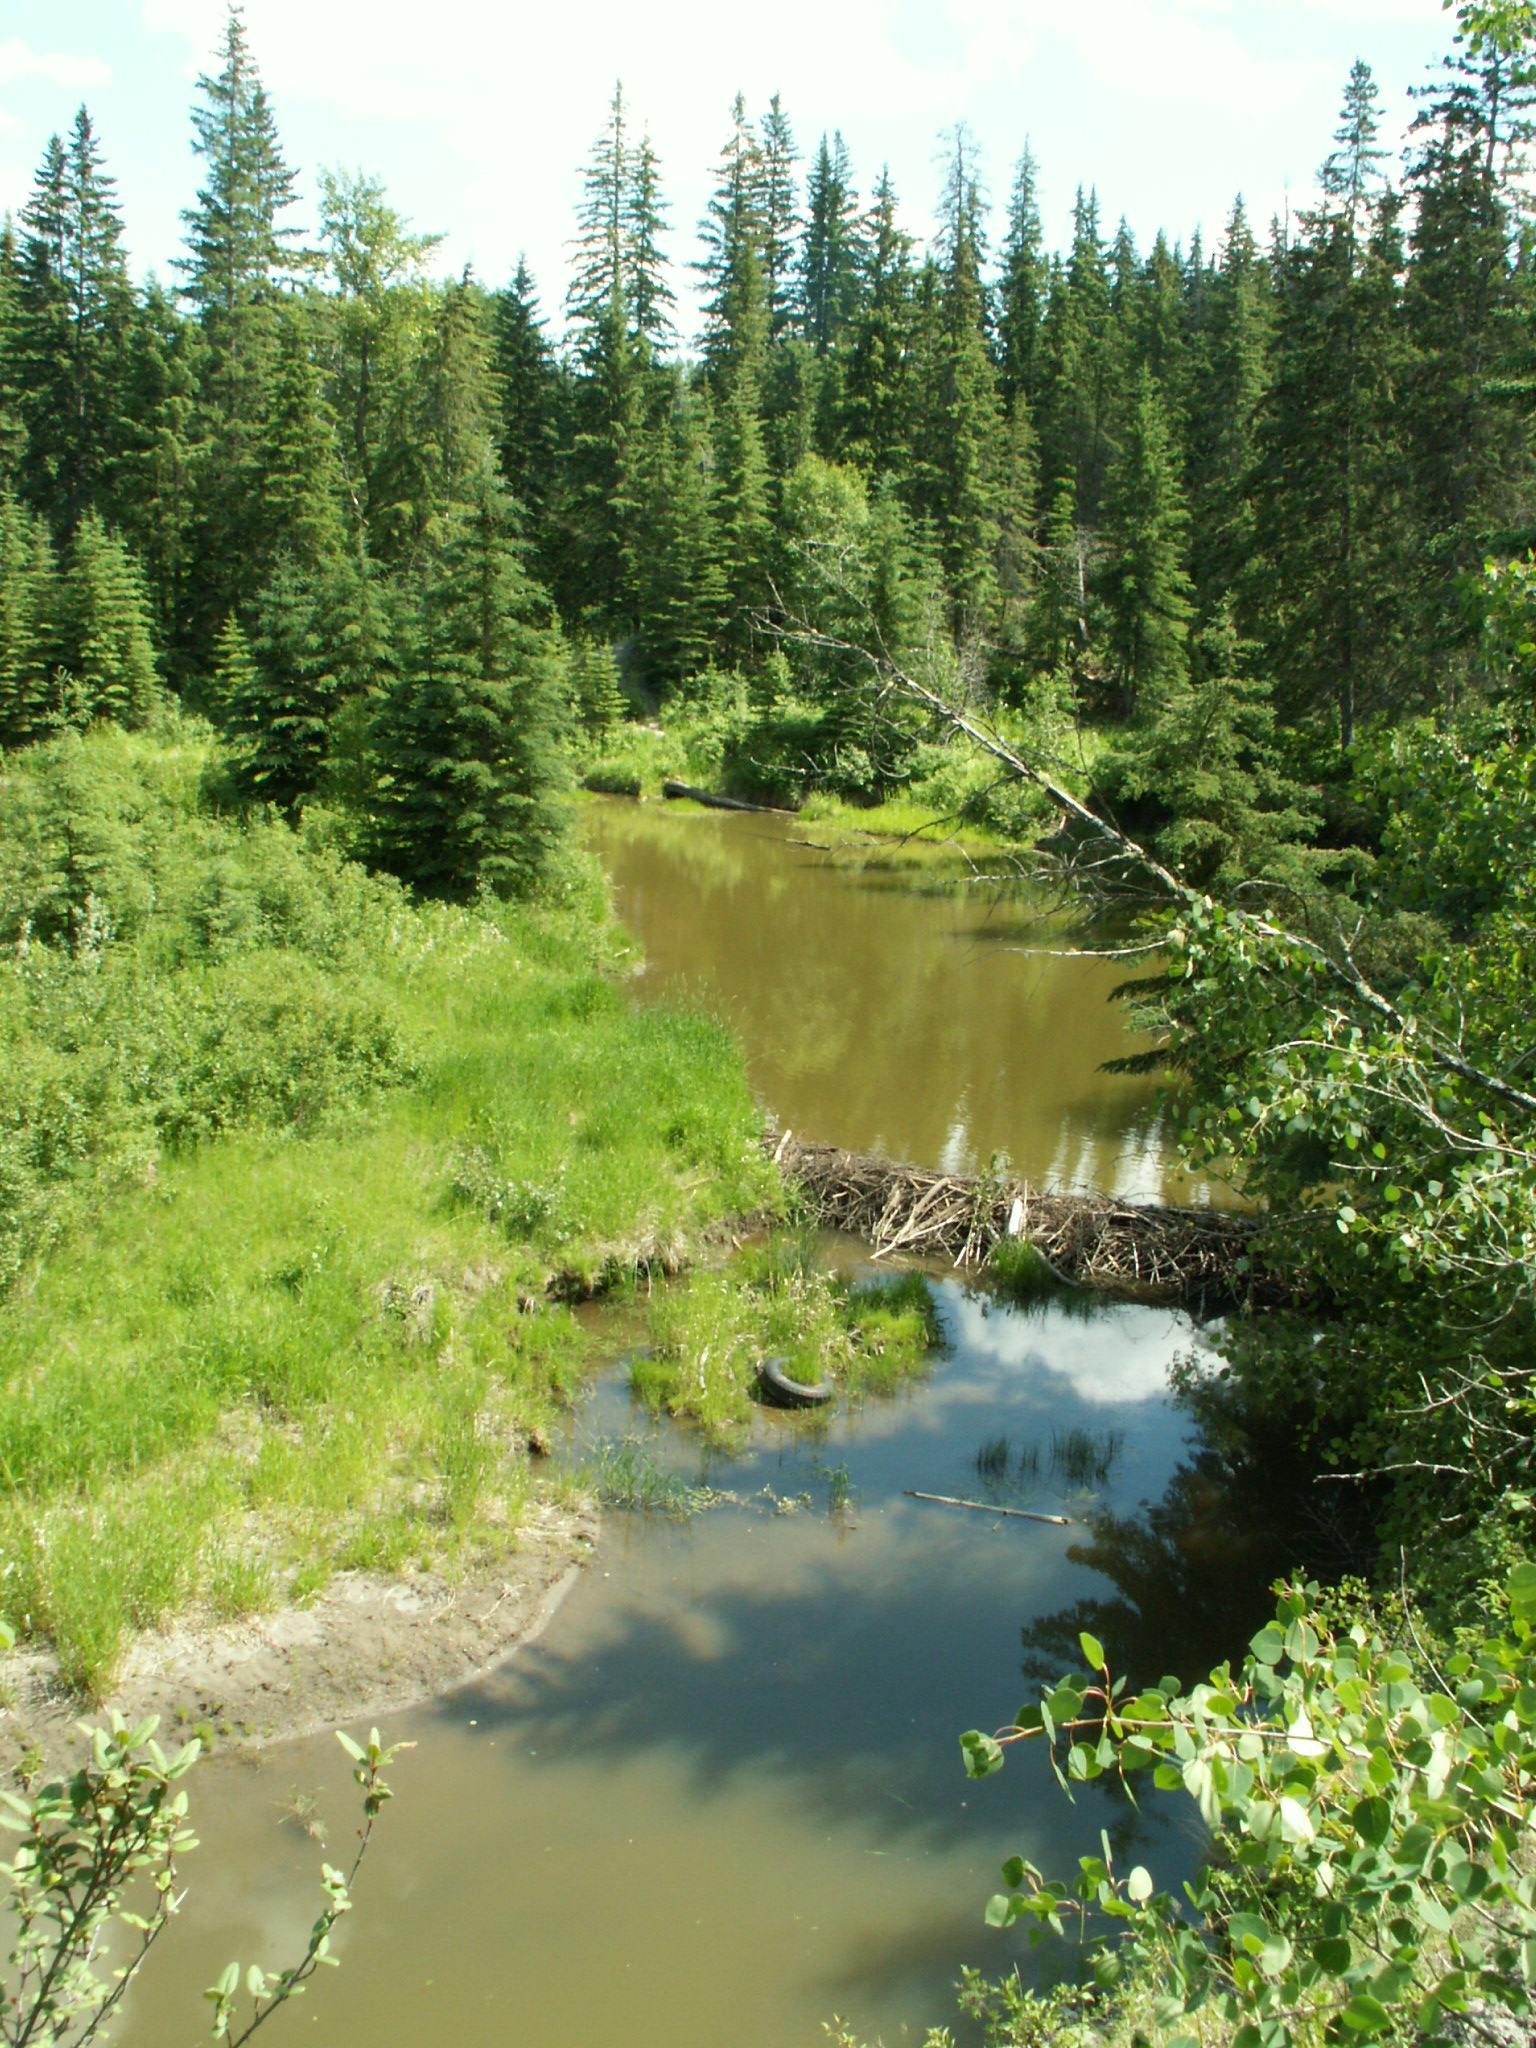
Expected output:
(982, 1507)
(714, 802)
(1206, 1259)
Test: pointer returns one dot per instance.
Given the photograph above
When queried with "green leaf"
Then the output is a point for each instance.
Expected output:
(1138, 1886)
(1365, 2014)
(981, 1754)
(1093, 1651)
(353, 1749)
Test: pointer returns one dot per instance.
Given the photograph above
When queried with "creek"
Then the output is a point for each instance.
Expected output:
(720, 1799)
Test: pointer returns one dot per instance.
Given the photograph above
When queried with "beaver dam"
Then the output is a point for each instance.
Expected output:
(1206, 1259)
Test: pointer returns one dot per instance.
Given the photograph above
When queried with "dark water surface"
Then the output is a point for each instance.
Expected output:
(926, 1024)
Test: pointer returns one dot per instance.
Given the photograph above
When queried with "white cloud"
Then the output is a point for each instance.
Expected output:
(53, 67)
(479, 114)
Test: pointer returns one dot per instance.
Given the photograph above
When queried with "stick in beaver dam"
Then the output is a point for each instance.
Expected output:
(982, 1507)
(1205, 1258)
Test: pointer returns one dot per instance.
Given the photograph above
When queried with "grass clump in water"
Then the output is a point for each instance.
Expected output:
(1020, 1270)
(710, 1335)
(626, 1475)
(1085, 1457)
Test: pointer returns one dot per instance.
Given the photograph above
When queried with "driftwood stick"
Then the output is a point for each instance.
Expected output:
(981, 1507)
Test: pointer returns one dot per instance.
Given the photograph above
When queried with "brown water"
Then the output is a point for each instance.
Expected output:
(721, 1799)
(926, 1024)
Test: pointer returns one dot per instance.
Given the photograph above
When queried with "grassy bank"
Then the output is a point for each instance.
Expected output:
(286, 1162)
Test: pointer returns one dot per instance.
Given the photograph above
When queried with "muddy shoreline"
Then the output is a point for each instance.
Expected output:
(366, 1648)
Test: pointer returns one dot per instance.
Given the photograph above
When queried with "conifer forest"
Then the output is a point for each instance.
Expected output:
(1125, 656)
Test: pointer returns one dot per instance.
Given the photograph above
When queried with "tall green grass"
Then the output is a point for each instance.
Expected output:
(276, 1281)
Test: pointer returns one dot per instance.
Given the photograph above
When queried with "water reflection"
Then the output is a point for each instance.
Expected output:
(884, 1016)
(722, 1797)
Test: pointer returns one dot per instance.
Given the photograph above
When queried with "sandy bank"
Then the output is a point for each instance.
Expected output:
(364, 1649)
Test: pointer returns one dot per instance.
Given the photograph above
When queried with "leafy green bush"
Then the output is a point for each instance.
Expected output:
(1371, 1819)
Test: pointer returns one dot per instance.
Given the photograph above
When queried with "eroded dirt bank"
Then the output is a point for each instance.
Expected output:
(367, 1647)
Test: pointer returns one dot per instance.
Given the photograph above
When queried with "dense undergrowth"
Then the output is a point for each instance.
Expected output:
(785, 751)
(286, 1160)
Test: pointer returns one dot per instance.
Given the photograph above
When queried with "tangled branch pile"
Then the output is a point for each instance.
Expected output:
(1204, 1257)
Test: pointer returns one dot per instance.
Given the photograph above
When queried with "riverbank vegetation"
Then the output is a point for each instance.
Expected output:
(1207, 571)
(289, 1160)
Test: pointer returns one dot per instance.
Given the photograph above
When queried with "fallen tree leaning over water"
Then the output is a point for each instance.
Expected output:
(1206, 1258)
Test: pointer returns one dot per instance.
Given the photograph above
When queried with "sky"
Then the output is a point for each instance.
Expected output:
(478, 114)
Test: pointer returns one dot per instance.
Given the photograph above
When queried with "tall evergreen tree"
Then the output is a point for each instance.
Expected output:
(1233, 377)
(875, 407)
(1468, 307)
(684, 601)
(466, 741)
(780, 215)
(648, 290)
(958, 482)
(528, 397)
(1147, 588)
(154, 478)
(1022, 289)
(831, 252)
(1327, 485)
(73, 307)
(732, 270)
(30, 644)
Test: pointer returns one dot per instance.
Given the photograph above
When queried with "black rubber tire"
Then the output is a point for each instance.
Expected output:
(783, 1392)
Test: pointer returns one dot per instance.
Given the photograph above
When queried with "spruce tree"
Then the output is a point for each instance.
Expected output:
(732, 271)
(279, 712)
(683, 597)
(1468, 310)
(236, 687)
(959, 483)
(238, 257)
(1233, 378)
(1329, 474)
(1211, 765)
(831, 251)
(238, 247)
(1147, 588)
(875, 400)
(466, 742)
(648, 293)
(30, 648)
(153, 487)
(1058, 616)
(298, 463)
(105, 644)
(780, 215)
(612, 396)
(1022, 289)
(13, 433)
(595, 686)
(73, 306)
(528, 397)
